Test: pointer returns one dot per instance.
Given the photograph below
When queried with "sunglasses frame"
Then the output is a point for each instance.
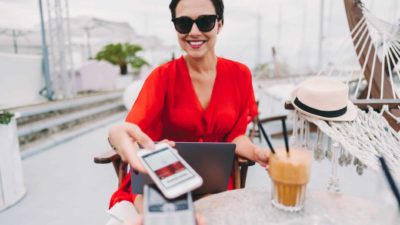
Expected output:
(192, 21)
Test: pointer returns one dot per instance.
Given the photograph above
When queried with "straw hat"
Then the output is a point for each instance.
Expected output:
(324, 98)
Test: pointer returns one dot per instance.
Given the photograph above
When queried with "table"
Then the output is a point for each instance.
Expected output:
(253, 206)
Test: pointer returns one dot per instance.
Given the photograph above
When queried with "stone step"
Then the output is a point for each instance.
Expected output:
(68, 103)
(34, 148)
(60, 119)
(40, 125)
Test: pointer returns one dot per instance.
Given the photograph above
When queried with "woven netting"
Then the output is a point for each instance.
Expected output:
(365, 138)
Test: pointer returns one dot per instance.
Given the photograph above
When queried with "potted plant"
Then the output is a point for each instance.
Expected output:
(123, 55)
(12, 186)
(5, 117)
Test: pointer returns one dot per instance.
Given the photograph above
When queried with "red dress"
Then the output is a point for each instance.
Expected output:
(168, 108)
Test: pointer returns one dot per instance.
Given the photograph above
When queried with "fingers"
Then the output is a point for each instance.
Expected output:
(262, 164)
(262, 156)
(126, 138)
(170, 143)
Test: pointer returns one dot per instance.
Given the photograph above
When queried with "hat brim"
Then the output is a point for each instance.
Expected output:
(350, 114)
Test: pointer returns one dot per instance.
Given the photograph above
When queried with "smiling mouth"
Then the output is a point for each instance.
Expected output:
(196, 44)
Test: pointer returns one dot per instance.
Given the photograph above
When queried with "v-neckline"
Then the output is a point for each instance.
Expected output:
(193, 90)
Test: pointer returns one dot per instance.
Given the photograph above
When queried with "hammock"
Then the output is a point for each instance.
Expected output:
(360, 142)
(377, 45)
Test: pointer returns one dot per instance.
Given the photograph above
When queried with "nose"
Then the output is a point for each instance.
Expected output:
(195, 30)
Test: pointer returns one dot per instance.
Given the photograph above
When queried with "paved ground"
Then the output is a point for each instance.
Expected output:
(66, 187)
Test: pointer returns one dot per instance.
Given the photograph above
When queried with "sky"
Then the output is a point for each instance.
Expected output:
(292, 26)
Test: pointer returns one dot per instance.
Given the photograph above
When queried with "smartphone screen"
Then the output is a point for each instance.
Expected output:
(158, 203)
(167, 167)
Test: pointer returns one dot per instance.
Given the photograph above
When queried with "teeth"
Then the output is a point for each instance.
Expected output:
(195, 42)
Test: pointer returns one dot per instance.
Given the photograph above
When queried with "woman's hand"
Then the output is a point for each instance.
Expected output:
(139, 221)
(245, 148)
(125, 138)
(261, 156)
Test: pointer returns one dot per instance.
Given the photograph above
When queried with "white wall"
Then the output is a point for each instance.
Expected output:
(20, 80)
(96, 75)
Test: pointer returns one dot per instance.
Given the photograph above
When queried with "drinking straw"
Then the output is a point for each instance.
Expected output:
(390, 179)
(285, 135)
(266, 137)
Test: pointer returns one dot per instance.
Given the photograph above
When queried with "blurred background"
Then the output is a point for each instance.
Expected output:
(70, 68)
(296, 36)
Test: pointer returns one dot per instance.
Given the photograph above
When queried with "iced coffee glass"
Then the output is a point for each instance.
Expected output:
(289, 173)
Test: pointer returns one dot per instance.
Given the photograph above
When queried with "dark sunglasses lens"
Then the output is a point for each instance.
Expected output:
(206, 23)
(183, 24)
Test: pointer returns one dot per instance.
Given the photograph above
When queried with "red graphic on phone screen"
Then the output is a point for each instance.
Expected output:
(169, 170)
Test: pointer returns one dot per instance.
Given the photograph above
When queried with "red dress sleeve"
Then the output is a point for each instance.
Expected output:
(147, 109)
(146, 113)
(248, 108)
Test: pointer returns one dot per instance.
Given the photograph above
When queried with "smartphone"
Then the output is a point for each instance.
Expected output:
(160, 210)
(170, 172)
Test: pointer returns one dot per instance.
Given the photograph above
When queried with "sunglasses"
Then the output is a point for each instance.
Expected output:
(184, 24)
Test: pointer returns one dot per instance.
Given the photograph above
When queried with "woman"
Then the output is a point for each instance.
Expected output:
(197, 97)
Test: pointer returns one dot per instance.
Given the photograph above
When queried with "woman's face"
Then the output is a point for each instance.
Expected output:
(197, 44)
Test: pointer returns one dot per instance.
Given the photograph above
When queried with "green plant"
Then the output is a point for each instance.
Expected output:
(122, 55)
(5, 117)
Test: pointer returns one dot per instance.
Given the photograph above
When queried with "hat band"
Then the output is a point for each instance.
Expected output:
(328, 114)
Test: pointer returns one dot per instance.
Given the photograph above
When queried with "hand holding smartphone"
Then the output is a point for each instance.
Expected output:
(159, 210)
(170, 172)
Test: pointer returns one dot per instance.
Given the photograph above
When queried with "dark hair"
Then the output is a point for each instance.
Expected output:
(218, 5)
